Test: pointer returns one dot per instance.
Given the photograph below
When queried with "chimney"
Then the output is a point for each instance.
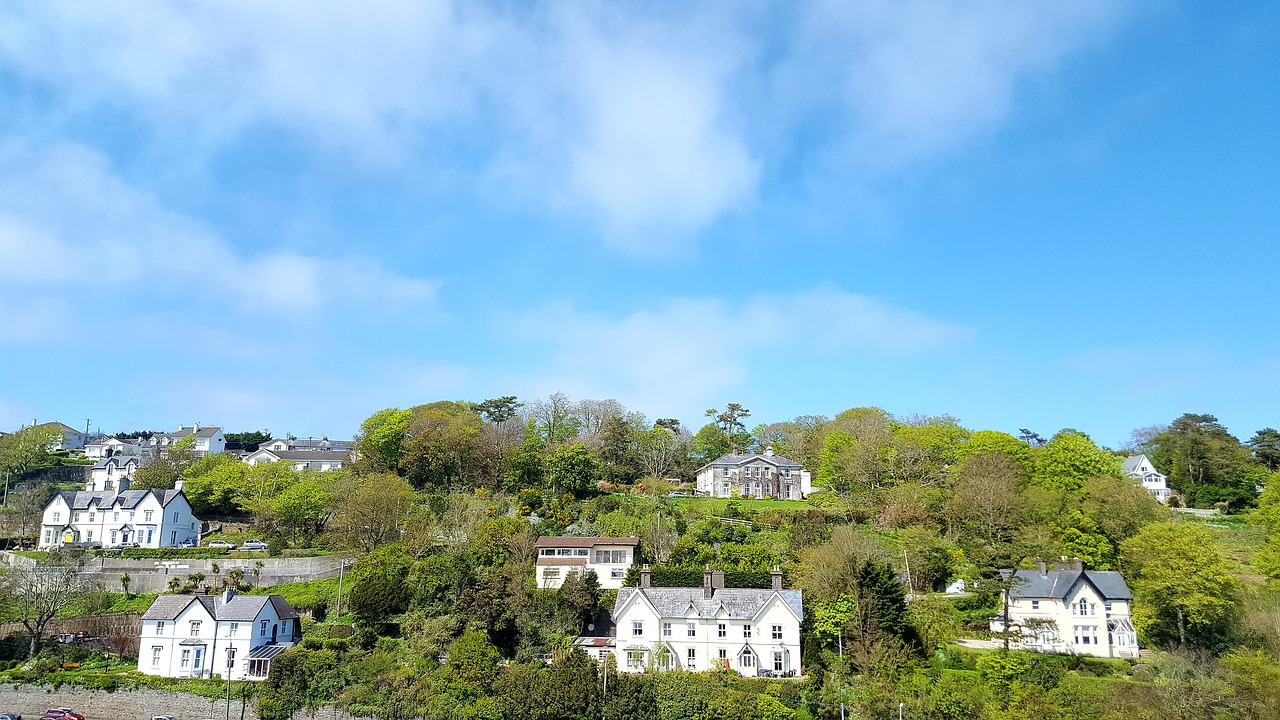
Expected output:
(195, 428)
(768, 452)
(646, 577)
(1042, 568)
(776, 577)
(1077, 564)
(178, 484)
(227, 595)
(708, 589)
(717, 580)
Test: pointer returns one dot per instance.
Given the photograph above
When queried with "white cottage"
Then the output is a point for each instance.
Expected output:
(207, 439)
(70, 438)
(608, 558)
(1070, 610)
(105, 447)
(112, 473)
(319, 460)
(756, 475)
(150, 518)
(198, 636)
(1140, 468)
(751, 631)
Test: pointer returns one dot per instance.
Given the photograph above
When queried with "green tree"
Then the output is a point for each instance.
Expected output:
(710, 442)
(375, 513)
(1265, 446)
(380, 442)
(879, 587)
(164, 471)
(304, 506)
(499, 410)
(28, 450)
(441, 450)
(1069, 459)
(1184, 589)
(214, 483)
(1197, 450)
(984, 442)
(572, 468)
(473, 662)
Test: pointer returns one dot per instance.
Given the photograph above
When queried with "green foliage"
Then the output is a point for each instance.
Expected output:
(983, 442)
(1184, 590)
(572, 469)
(1070, 459)
(381, 440)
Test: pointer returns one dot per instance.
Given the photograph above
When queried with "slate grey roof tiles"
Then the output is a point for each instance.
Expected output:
(1057, 584)
(738, 603)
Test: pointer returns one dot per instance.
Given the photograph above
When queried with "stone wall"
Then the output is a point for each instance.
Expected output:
(31, 701)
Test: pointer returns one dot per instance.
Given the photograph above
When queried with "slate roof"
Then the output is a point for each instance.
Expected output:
(203, 432)
(1057, 584)
(242, 608)
(1130, 464)
(547, 541)
(732, 459)
(115, 460)
(65, 428)
(129, 499)
(739, 603)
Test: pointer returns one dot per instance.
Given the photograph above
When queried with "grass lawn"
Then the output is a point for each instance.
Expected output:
(1236, 537)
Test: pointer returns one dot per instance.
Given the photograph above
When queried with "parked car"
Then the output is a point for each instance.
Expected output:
(188, 543)
(62, 714)
(10, 716)
(253, 545)
(160, 717)
(128, 545)
(222, 544)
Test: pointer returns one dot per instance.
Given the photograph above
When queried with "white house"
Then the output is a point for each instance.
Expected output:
(72, 439)
(1140, 468)
(208, 439)
(112, 473)
(752, 631)
(321, 460)
(194, 636)
(560, 557)
(1070, 610)
(756, 475)
(150, 518)
(106, 447)
(308, 444)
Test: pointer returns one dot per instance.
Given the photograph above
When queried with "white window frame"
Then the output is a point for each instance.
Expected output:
(691, 629)
(156, 651)
(637, 628)
(777, 632)
(746, 631)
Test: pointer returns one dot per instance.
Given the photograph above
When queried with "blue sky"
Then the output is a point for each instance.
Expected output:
(290, 215)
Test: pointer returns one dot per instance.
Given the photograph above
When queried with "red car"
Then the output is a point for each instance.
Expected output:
(62, 714)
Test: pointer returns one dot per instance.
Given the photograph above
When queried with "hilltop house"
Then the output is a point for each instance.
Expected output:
(1070, 610)
(71, 438)
(112, 473)
(110, 518)
(105, 447)
(207, 440)
(1140, 468)
(560, 557)
(308, 445)
(756, 475)
(751, 631)
(198, 636)
(320, 460)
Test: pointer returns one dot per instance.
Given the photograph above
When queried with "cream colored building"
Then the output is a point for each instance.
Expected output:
(609, 558)
(1069, 610)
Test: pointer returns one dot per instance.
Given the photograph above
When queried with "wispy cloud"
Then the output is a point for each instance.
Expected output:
(651, 121)
(686, 352)
(78, 245)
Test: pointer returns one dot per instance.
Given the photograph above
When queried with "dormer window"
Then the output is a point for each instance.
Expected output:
(1083, 607)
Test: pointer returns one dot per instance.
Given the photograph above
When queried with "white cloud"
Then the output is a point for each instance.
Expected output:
(76, 242)
(651, 121)
(682, 354)
(914, 79)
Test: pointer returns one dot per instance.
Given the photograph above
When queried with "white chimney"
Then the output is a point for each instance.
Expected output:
(195, 428)
(178, 484)
(227, 595)
(768, 452)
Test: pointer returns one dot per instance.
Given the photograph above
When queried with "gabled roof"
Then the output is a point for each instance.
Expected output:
(60, 426)
(116, 460)
(739, 603)
(204, 432)
(547, 541)
(732, 459)
(129, 499)
(1057, 584)
(241, 608)
(1131, 464)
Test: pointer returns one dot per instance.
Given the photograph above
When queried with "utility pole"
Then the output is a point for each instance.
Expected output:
(342, 564)
(231, 659)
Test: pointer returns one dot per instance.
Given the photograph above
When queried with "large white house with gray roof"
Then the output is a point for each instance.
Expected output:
(1070, 610)
(198, 636)
(206, 439)
(1139, 467)
(756, 475)
(111, 518)
(752, 631)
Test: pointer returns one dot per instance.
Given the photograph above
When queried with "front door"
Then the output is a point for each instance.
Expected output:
(197, 664)
(274, 629)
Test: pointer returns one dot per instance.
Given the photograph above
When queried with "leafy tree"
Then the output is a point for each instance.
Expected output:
(984, 442)
(380, 442)
(473, 661)
(375, 512)
(1184, 590)
(1265, 446)
(524, 463)
(499, 410)
(441, 449)
(27, 450)
(214, 483)
(305, 505)
(710, 442)
(987, 497)
(880, 588)
(572, 468)
(1197, 450)
(164, 471)
(379, 587)
(730, 420)
(553, 419)
(1071, 458)
(830, 618)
